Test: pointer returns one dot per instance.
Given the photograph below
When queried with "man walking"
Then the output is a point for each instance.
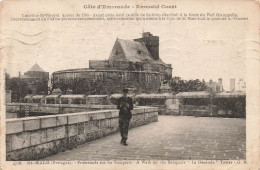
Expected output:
(125, 105)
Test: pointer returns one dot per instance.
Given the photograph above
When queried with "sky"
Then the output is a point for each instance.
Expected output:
(196, 50)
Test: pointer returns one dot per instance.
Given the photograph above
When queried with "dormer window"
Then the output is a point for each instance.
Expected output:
(116, 53)
(138, 51)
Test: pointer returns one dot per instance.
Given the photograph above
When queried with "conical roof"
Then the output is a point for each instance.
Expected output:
(36, 67)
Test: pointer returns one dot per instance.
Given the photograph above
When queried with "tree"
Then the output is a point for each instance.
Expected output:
(179, 85)
(18, 87)
(41, 86)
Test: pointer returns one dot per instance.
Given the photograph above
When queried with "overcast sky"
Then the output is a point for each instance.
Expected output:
(196, 50)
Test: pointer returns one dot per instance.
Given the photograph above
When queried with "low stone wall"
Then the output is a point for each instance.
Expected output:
(66, 108)
(33, 138)
(190, 110)
(15, 107)
(208, 111)
(45, 109)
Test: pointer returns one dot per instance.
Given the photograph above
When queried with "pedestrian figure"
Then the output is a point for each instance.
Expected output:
(125, 105)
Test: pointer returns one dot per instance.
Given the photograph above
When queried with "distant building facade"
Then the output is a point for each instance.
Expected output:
(215, 87)
(36, 79)
(132, 63)
(239, 86)
(232, 84)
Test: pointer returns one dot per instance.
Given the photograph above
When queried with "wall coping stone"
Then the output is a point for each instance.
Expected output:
(48, 122)
(37, 122)
(14, 126)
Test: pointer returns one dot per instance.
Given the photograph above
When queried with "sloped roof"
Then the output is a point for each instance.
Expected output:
(153, 95)
(52, 96)
(28, 96)
(118, 95)
(131, 49)
(36, 67)
(38, 96)
(198, 94)
(73, 96)
(96, 96)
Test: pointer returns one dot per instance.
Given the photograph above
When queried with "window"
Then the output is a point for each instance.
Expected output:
(116, 53)
(138, 51)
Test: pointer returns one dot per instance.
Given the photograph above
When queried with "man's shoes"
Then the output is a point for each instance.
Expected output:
(124, 142)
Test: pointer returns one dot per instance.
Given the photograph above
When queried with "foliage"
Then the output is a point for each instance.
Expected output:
(41, 86)
(179, 85)
(18, 87)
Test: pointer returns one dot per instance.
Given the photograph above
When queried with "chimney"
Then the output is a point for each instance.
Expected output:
(146, 34)
(220, 81)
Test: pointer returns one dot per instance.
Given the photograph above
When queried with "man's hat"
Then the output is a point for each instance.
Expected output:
(125, 90)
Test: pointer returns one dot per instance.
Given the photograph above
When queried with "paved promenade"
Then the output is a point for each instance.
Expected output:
(171, 138)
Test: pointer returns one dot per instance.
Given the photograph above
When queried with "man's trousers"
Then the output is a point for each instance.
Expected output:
(123, 127)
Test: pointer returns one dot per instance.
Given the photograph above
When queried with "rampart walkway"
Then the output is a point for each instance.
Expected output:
(169, 138)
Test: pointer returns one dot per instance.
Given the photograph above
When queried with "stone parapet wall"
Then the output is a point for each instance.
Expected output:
(54, 108)
(37, 137)
(14, 107)
(208, 111)
(191, 110)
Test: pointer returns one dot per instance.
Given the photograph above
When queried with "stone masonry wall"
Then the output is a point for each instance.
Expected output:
(112, 81)
(37, 137)
(42, 109)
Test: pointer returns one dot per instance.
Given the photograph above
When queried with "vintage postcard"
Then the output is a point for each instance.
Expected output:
(130, 84)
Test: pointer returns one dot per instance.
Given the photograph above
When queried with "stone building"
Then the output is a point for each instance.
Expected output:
(215, 87)
(232, 84)
(37, 79)
(239, 86)
(132, 63)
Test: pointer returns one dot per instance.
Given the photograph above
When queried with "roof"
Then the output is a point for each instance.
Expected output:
(131, 48)
(36, 67)
(231, 94)
(198, 94)
(118, 95)
(96, 96)
(52, 96)
(153, 96)
(28, 97)
(37, 96)
(77, 96)
(56, 91)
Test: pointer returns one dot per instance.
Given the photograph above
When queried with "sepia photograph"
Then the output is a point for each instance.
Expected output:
(156, 84)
